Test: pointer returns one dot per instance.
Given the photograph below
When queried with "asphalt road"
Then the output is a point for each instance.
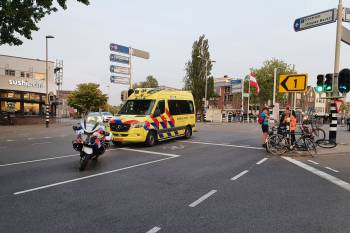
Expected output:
(221, 180)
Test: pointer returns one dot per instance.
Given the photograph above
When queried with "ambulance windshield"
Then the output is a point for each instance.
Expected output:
(137, 107)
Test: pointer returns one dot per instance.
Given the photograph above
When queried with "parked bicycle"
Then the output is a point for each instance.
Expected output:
(281, 142)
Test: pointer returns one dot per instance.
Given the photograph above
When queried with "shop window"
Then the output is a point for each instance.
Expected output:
(10, 106)
(9, 72)
(31, 109)
(13, 95)
(26, 96)
(34, 96)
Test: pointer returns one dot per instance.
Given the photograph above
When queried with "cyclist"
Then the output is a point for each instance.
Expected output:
(264, 119)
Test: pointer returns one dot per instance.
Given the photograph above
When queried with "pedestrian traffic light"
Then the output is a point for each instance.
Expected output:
(320, 83)
(344, 81)
(328, 83)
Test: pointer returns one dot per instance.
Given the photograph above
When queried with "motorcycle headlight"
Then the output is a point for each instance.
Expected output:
(137, 125)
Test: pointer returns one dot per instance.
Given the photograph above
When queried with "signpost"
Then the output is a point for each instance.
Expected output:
(315, 20)
(123, 60)
(236, 86)
(292, 83)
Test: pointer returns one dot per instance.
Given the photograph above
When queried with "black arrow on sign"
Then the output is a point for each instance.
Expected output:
(283, 83)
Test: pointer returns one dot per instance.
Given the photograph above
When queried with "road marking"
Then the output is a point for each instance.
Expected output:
(37, 160)
(40, 143)
(228, 145)
(10, 140)
(330, 178)
(30, 138)
(239, 175)
(331, 169)
(47, 137)
(261, 161)
(202, 198)
(150, 152)
(154, 230)
(311, 161)
(90, 176)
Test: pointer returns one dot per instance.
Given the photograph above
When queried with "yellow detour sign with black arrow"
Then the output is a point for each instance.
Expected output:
(292, 83)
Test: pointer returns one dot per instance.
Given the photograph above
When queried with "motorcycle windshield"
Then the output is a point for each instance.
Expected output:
(90, 124)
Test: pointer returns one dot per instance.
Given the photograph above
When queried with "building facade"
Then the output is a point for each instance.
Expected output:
(23, 86)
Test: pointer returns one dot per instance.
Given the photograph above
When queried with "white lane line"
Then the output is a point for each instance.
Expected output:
(154, 230)
(150, 152)
(47, 137)
(331, 169)
(90, 176)
(202, 198)
(311, 161)
(10, 140)
(37, 160)
(239, 175)
(30, 139)
(40, 143)
(228, 145)
(330, 178)
(261, 161)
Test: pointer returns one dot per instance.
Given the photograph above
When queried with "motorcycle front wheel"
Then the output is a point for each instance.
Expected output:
(84, 159)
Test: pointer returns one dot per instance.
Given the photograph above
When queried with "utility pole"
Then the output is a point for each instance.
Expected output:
(47, 102)
(333, 111)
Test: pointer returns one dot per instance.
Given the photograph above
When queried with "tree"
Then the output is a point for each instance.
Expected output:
(150, 82)
(20, 17)
(87, 97)
(264, 76)
(195, 78)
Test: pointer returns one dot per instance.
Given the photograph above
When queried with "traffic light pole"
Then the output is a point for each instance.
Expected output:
(333, 112)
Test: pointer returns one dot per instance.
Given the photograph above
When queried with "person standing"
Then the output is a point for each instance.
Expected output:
(264, 121)
(293, 126)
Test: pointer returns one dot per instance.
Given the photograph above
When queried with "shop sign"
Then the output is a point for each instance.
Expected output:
(25, 83)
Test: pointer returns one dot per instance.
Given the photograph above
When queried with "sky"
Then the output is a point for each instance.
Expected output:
(241, 34)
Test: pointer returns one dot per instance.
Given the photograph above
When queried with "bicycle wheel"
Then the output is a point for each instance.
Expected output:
(276, 144)
(325, 143)
(318, 134)
(310, 146)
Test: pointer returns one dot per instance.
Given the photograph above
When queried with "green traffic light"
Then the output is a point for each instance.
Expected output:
(319, 88)
(328, 88)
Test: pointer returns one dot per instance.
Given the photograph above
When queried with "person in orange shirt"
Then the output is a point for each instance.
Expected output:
(293, 126)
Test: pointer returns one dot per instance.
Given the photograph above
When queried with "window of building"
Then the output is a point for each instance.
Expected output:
(22, 74)
(10, 106)
(179, 107)
(9, 72)
(28, 75)
(34, 96)
(31, 109)
(39, 76)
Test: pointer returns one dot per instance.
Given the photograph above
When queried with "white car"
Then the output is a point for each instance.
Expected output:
(106, 116)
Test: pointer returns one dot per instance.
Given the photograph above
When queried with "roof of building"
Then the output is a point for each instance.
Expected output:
(4, 55)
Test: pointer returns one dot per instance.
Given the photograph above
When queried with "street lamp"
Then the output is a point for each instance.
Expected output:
(206, 78)
(47, 120)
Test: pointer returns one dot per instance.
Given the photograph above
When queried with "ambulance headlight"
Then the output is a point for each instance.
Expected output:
(137, 125)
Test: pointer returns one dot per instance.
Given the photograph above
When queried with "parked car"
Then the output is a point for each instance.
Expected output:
(106, 116)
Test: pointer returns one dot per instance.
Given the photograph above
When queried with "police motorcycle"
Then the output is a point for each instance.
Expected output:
(92, 140)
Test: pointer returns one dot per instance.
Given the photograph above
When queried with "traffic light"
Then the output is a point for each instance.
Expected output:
(320, 83)
(344, 81)
(328, 84)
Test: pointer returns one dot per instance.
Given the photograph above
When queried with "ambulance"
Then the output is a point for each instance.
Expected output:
(151, 115)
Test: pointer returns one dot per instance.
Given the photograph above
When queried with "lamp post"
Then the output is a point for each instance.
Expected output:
(47, 120)
(206, 79)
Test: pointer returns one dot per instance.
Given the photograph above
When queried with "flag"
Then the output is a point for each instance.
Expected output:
(253, 82)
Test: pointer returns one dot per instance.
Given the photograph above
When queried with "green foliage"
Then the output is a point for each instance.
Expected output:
(20, 17)
(87, 97)
(150, 82)
(264, 76)
(195, 72)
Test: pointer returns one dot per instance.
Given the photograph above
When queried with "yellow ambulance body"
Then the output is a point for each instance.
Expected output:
(154, 114)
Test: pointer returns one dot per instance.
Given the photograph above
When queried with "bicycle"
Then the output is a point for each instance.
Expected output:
(281, 143)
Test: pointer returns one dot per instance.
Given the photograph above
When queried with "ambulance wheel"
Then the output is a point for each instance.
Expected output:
(117, 143)
(188, 132)
(151, 139)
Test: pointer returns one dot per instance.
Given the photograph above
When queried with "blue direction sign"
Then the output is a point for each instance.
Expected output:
(236, 86)
(119, 48)
(119, 79)
(120, 59)
(315, 20)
